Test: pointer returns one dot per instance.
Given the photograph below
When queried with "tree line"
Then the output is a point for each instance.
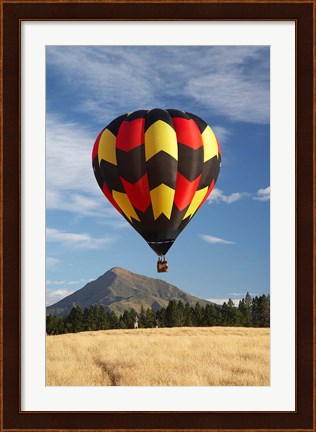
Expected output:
(250, 312)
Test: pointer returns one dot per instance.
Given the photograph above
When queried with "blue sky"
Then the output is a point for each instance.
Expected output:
(224, 251)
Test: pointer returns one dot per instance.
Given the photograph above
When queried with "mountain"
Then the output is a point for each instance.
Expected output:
(119, 289)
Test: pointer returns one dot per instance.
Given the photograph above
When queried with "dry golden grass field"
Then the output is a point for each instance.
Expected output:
(186, 356)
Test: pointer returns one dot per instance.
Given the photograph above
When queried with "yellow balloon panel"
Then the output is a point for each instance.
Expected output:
(209, 143)
(197, 199)
(160, 137)
(125, 205)
(107, 147)
(162, 200)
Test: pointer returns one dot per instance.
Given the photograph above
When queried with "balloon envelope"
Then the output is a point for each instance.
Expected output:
(157, 167)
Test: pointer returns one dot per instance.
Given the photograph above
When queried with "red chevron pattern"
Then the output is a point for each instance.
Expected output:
(187, 132)
(185, 191)
(96, 146)
(138, 193)
(130, 134)
(108, 194)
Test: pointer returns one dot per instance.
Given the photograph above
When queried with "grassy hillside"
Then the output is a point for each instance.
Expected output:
(186, 356)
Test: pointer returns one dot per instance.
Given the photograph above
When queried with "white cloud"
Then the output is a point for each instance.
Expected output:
(232, 87)
(226, 80)
(218, 195)
(236, 300)
(232, 95)
(220, 301)
(81, 205)
(55, 282)
(51, 262)
(56, 295)
(241, 294)
(70, 182)
(222, 134)
(63, 282)
(68, 157)
(236, 196)
(107, 73)
(82, 240)
(263, 194)
(75, 282)
(214, 240)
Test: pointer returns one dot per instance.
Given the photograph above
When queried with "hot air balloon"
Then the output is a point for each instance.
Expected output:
(157, 167)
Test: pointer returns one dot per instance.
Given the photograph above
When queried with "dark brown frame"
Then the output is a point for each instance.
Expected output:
(12, 13)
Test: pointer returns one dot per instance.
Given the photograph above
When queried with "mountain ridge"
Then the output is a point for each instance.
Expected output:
(119, 289)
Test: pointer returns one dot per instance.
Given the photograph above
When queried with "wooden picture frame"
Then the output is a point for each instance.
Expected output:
(12, 13)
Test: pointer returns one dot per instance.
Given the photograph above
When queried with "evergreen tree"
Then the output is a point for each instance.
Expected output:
(181, 312)
(172, 316)
(133, 315)
(219, 316)
(149, 318)
(245, 308)
(142, 317)
(229, 313)
(250, 312)
(161, 317)
(74, 321)
(90, 318)
(198, 315)
(54, 325)
(113, 320)
(264, 311)
(129, 319)
(102, 319)
(188, 314)
(121, 323)
(255, 312)
(60, 326)
(211, 316)
(239, 318)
